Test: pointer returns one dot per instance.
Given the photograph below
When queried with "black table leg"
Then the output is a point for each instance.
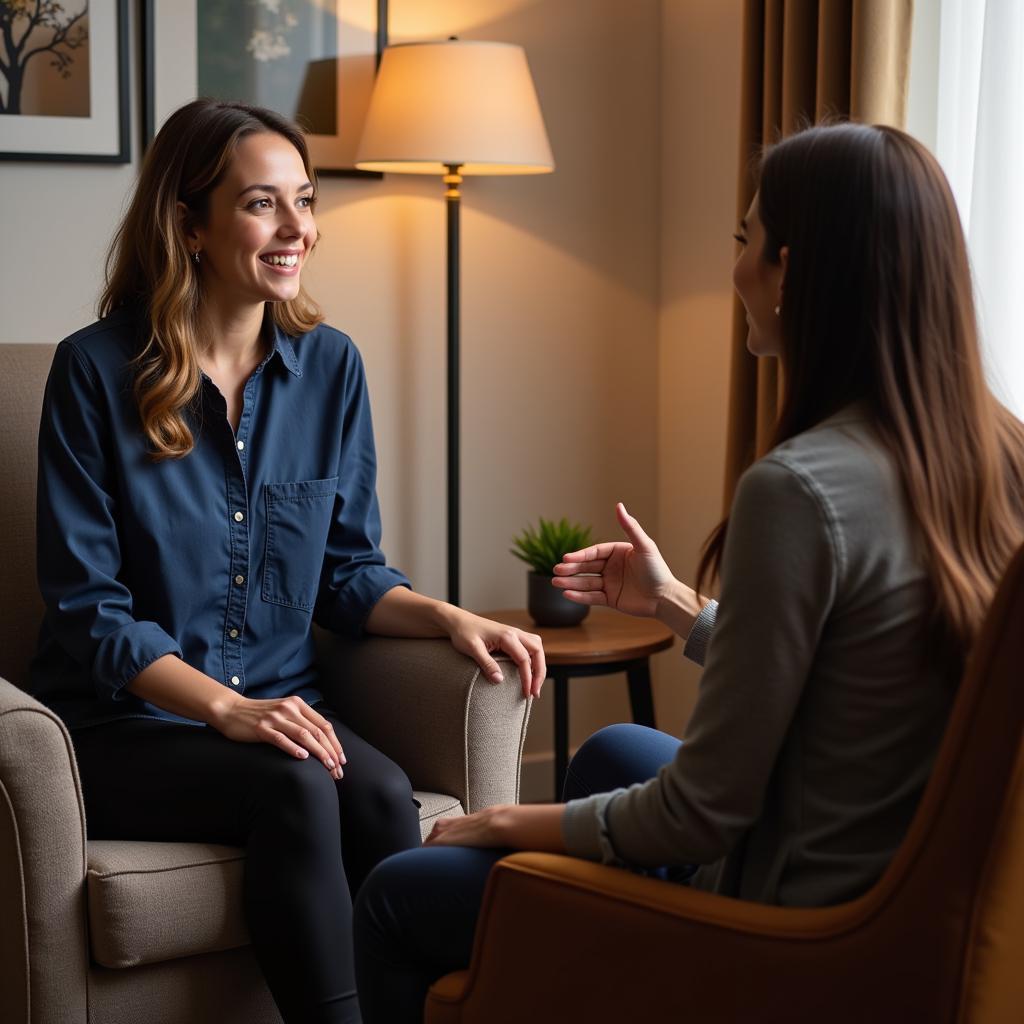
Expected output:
(640, 700)
(561, 680)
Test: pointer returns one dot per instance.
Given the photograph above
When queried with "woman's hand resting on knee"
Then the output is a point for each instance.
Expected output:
(285, 722)
(630, 576)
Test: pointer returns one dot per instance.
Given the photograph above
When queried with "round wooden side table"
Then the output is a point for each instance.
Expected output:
(604, 643)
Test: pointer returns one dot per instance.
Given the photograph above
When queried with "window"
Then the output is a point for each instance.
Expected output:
(966, 104)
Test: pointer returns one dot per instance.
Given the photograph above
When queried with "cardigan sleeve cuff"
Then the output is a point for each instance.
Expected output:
(585, 829)
(696, 648)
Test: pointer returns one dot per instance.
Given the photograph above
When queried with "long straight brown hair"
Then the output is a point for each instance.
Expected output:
(149, 264)
(877, 307)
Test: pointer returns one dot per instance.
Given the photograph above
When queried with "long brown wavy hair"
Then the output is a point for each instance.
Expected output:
(149, 264)
(877, 307)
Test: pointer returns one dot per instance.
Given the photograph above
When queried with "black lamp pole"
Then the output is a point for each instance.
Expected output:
(452, 181)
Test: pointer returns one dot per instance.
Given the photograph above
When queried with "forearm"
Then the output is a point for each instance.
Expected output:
(175, 686)
(530, 827)
(678, 608)
(403, 612)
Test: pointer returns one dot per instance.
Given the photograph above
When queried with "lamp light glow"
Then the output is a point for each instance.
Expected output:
(466, 103)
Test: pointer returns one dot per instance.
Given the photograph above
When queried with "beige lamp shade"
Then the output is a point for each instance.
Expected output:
(458, 102)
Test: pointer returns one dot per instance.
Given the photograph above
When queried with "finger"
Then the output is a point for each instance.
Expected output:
(440, 827)
(602, 551)
(564, 569)
(328, 730)
(579, 583)
(631, 527)
(268, 734)
(535, 646)
(483, 658)
(586, 596)
(513, 647)
(322, 730)
(305, 735)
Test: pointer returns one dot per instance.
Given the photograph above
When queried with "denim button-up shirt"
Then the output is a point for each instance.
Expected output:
(224, 557)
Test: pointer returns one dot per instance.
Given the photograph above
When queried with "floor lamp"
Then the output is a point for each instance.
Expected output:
(454, 108)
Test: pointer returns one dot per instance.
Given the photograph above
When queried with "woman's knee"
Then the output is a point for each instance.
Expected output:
(385, 886)
(379, 794)
(605, 746)
(610, 739)
(617, 755)
(296, 786)
(421, 884)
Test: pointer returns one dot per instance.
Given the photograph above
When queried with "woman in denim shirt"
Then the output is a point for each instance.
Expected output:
(206, 492)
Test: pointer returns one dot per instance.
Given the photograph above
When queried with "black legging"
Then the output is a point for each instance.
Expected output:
(309, 840)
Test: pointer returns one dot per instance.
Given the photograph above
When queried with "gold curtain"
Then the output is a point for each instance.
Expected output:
(804, 60)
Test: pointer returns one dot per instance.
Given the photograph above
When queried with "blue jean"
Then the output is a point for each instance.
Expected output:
(416, 913)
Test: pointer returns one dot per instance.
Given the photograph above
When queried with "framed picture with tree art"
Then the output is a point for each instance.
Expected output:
(64, 80)
(311, 60)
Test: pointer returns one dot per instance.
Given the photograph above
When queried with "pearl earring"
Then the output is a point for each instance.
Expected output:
(778, 309)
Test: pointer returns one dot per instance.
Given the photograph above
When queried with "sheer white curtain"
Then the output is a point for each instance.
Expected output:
(967, 104)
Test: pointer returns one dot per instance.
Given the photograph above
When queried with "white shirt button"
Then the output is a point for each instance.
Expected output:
(239, 517)
(232, 633)
(239, 580)
(235, 680)
(240, 445)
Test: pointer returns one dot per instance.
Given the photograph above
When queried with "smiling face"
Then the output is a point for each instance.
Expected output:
(758, 283)
(259, 226)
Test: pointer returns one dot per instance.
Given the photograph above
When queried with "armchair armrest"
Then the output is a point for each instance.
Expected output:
(431, 711)
(603, 943)
(43, 951)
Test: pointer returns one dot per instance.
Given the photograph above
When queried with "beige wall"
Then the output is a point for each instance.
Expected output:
(595, 302)
(700, 95)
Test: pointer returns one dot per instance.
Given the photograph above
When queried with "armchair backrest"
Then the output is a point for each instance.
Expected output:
(987, 795)
(23, 370)
(952, 900)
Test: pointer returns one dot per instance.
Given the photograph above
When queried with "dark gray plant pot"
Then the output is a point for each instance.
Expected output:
(548, 607)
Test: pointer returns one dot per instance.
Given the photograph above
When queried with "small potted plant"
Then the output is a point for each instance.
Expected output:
(542, 549)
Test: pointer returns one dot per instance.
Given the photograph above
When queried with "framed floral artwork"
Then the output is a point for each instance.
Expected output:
(311, 60)
(64, 80)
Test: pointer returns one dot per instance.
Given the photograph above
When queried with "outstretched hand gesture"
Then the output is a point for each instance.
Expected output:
(628, 575)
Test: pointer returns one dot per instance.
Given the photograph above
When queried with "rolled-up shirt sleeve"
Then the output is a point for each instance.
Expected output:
(78, 552)
(355, 574)
(779, 575)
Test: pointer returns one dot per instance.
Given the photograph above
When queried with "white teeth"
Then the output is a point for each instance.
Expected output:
(281, 261)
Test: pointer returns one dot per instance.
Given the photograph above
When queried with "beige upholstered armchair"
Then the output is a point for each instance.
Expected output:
(123, 931)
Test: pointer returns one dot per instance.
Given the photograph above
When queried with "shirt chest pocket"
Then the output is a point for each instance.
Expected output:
(298, 520)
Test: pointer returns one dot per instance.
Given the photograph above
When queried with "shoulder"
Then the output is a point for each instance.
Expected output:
(779, 500)
(325, 346)
(844, 463)
(103, 349)
(839, 474)
(329, 360)
(839, 446)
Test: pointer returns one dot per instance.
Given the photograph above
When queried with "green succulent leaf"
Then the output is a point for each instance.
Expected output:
(542, 548)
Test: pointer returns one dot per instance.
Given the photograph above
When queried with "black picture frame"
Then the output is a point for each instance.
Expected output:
(152, 106)
(104, 136)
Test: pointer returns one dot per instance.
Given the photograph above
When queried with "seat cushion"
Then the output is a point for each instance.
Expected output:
(156, 901)
(150, 902)
(434, 806)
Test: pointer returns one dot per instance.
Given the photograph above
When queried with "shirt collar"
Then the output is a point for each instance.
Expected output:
(284, 348)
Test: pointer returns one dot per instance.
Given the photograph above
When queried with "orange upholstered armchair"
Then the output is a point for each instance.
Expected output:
(939, 938)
